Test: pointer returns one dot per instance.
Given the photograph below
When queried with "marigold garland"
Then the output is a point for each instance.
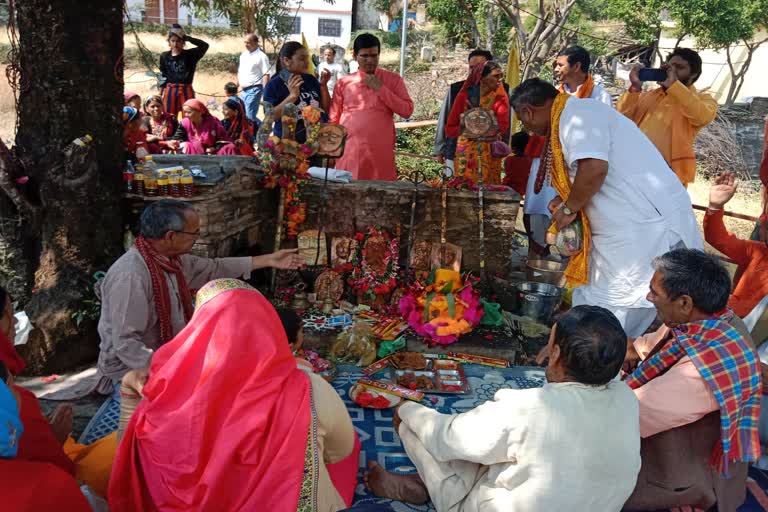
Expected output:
(286, 163)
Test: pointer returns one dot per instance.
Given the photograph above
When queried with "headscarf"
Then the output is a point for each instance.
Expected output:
(10, 423)
(130, 114)
(198, 105)
(129, 95)
(237, 125)
(226, 420)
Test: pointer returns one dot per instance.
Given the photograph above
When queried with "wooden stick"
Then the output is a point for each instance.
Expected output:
(278, 234)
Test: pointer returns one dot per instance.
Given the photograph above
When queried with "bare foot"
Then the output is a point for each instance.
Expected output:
(61, 422)
(407, 488)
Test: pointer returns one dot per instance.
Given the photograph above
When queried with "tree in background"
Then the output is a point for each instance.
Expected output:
(729, 25)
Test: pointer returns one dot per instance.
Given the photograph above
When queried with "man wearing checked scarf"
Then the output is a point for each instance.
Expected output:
(698, 381)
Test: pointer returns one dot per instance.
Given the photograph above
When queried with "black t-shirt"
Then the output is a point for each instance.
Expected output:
(180, 69)
(277, 90)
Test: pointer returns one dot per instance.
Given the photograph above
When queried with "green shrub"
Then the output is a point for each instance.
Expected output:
(419, 141)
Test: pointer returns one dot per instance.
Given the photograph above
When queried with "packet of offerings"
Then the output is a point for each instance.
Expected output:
(410, 394)
(376, 366)
(471, 358)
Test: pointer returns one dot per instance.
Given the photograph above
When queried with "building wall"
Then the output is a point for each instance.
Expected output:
(716, 76)
(310, 12)
(169, 12)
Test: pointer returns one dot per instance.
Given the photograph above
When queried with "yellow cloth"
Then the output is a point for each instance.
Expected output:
(311, 70)
(93, 462)
(513, 79)
(577, 271)
(671, 119)
(470, 152)
(585, 91)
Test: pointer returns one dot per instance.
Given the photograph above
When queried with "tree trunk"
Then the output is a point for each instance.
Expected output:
(71, 85)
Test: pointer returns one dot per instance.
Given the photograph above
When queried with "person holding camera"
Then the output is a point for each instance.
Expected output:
(178, 67)
(671, 115)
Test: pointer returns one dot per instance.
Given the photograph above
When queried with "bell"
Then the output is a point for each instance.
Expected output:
(300, 302)
(328, 306)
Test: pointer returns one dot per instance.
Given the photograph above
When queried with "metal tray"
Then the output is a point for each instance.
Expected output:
(447, 377)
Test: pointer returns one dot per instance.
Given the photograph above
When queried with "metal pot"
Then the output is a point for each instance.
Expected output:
(546, 271)
(537, 301)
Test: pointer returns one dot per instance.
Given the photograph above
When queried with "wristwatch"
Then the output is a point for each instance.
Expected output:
(566, 210)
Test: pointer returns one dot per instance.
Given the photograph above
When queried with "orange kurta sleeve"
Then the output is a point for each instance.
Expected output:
(627, 104)
(699, 108)
(718, 237)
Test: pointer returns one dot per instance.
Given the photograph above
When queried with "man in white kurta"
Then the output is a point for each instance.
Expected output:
(636, 206)
(572, 445)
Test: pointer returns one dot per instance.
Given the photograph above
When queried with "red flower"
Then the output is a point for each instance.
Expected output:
(380, 402)
(364, 399)
(488, 336)
(359, 236)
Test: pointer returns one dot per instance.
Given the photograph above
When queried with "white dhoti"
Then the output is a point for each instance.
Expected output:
(448, 483)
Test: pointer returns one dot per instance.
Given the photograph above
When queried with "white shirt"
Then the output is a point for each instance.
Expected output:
(538, 204)
(337, 71)
(253, 66)
(598, 93)
(562, 447)
(641, 211)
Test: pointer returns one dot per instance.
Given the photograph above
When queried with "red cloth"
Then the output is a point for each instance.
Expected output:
(500, 108)
(37, 443)
(344, 473)
(34, 487)
(764, 163)
(516, 170)
(158, 266)
(134, 139)
(751, 257)
(224, 420)
(198, 105)
(535, 147)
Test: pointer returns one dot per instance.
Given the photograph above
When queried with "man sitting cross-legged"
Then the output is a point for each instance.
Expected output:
(699, 390)
(573, 444)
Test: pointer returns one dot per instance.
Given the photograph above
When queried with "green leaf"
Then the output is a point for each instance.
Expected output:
(431, 276)
(451, 300)
(447, 288)
(430, 296)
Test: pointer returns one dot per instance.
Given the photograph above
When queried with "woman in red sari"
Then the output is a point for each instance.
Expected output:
(239, 127)
(27, 486)
(257, 432)
(158, 125)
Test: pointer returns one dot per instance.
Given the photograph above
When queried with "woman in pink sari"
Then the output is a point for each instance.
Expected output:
(199, 133)
(228, 421)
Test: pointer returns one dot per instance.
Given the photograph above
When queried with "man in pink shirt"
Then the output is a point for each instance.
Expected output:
(698, 384)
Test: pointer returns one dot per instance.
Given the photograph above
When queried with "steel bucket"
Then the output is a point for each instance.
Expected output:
(537, 301)
(546, 271)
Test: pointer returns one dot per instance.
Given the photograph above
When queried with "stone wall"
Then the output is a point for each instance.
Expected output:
(236, 213)
(355, 206)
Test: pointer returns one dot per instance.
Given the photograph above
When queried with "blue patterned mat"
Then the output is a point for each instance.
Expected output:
(377, 434)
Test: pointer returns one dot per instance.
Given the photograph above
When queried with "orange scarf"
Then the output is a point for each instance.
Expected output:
(577, 272)
(585, 91)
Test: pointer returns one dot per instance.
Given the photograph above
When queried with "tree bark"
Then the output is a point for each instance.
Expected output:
(71, 85)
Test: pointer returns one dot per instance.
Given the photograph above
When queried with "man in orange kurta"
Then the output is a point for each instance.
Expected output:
(364, 104)
(672, 115)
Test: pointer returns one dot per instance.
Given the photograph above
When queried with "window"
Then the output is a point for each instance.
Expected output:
(290, 24)
(328, 28)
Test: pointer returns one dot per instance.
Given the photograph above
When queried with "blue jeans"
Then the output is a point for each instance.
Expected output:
(252, 99)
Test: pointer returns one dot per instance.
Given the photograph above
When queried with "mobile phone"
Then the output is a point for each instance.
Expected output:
(652, 75)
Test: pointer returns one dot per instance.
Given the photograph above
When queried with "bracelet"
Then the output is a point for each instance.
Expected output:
(710, 209)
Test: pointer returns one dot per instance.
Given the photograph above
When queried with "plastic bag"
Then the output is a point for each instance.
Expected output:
(356, 345)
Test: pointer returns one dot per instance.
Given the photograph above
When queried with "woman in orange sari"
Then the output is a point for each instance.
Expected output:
(483, 88)
(257, 432)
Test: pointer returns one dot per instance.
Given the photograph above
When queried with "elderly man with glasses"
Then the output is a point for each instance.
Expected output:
(146, 296)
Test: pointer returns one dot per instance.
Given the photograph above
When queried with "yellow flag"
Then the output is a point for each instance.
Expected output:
(305, 45)
(513, 77)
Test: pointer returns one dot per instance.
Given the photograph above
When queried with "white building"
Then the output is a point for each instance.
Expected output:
(321, 22)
